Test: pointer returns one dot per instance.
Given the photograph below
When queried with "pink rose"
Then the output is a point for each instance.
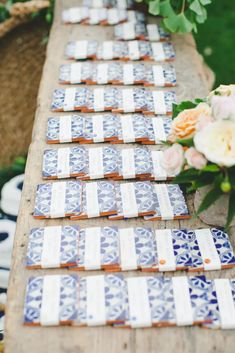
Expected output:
(173, 159)
(223, 107)
(195, 159)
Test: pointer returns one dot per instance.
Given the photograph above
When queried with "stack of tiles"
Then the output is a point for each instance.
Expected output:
(117, 100)
(117, 50)
(104, 162)
(118, 74)
(101, 16)
(81, 200)
(112, 299)
(119, 4)
(113, 128)
(137, 115)
(122, 249)
(139, 30)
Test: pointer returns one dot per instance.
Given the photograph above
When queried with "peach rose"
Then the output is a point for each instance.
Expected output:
(195, 159)
(184, 126)
(173, 159)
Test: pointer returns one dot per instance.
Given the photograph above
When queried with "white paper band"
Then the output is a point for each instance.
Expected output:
(183, 306)
(107, 52)
(121, 4)
(153, 32)
(166, 209)
(225, 303)
(102, 74)
(210, 256)
(98, 128)
(158, 52)
(159, 173)
(95, 158)
(113, 16)
(75, 73)
(50, 257)
(165, 251)
(65, 128)
(129, 204)
(49, 315)
(92, 253)
(63, 162)
(97, 3)
(131, 16)
(128, 30)
(158, 129)
(140, 312)
(69, 99)
(128, 100)
(94, 17)
(128, 74)
(158, 75)
(80, 51)
(128, 163)
(96, 313)
(74, 14)
(58, 193)
(133, 50)
(98, 99)
(92, 203)
(159, 102)
(128, 134)
(127, 249)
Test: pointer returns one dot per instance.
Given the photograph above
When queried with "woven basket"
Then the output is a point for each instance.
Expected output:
(21, 61)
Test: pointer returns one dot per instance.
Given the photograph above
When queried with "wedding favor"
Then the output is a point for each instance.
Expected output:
(101, 16)
(117, 74)
(97, 128)
(118, 50)
(131, 30)
(126, 100)
(120, 4)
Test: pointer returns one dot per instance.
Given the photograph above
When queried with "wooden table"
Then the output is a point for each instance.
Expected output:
(19, 339)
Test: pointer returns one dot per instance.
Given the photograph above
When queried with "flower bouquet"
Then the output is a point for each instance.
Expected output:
(201, 147)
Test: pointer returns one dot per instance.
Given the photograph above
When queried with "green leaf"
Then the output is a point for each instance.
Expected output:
(231, 209)
(202, 18)
(212, 196)
(185, 142)
(211, 168)
(178, 23)
(178, 108)
(205, 2)
(154, 7)
(196, 7)
(166, 9)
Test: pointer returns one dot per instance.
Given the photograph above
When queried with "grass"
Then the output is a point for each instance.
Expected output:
(216, 40)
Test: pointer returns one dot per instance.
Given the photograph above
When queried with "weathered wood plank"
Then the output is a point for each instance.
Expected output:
(20, 339)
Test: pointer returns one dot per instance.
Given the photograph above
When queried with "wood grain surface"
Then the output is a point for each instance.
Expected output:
(19, 339)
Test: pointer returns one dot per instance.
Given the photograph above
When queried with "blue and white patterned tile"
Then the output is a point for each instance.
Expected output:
(109, 248)
(68, 305)
(68, 246)
(116, 301)
(72, 202)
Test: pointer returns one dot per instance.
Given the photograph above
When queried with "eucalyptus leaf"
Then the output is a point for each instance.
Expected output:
(213, 195)
(196, 7)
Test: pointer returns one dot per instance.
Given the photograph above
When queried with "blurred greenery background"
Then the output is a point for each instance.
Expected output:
(216, 40)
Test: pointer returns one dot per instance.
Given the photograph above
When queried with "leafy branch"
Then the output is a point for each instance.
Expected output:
(179, 15)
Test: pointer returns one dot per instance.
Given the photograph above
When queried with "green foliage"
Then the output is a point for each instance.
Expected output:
(8, 172)
(178, 108)
(180, 16)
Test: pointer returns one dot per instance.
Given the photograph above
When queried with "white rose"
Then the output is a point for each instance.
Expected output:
(217, 142)
(223, 107)
(223, 90)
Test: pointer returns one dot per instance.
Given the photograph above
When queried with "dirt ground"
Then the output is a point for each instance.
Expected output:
(22, 54)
